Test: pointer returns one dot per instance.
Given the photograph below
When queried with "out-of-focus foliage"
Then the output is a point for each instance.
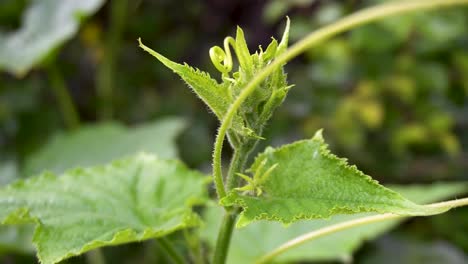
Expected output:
(403, 249)
(103, 143)
(392, 93)
(46, 24)
(391, 96)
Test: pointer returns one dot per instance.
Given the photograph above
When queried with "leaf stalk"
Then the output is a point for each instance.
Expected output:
(224, 237)
(347, 225)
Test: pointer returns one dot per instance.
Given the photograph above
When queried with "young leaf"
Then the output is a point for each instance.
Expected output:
(209, 90)
(46, 25)
(334, 247)
(311, 183)
(285, 39)
(128, 200)
(243, 53)
(102, 143)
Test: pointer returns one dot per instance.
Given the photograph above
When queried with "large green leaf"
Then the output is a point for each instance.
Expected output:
(304, 180)
(102, 143)
(129, 200)
(46, 25)
(246, 246)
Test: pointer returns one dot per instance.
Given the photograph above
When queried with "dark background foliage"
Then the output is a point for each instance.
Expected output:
(391, 96)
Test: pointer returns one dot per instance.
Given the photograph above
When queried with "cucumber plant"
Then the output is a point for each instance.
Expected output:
(144, 196)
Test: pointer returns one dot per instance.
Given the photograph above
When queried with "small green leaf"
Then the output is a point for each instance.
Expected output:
(334, 247)
(284, 40)
(270, 52)
(102, 143)
(46, 25)
(214, 95)
(311, 183)
(243, 53)
(129, 200)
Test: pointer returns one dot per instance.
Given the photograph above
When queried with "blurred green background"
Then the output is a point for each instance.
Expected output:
(391, 96)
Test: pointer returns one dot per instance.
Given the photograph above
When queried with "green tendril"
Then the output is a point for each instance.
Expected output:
(222, 59)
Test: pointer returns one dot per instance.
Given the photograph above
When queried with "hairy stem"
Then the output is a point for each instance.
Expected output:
(347, 225)
(170, 251)
(106, 73)
(360, 18)
(217, 163)
(239, 158)
(224, 237)
(67, 107)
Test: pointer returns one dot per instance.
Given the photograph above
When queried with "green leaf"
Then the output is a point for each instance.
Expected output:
(209, 90)
(13, 238)
(99, 144)
(243, 54)
(129, 200)
(284, 40)
(335, 247)
(46, 25)
(311, 183)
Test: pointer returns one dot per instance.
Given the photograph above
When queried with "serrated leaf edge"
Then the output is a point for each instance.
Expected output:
(22, 215)
(233, 198)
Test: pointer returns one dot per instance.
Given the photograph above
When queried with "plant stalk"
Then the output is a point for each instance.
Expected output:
(60, 89)
(238, 161)
(445, 206)
(171, 252)
(239, 158)
(106, 72)
(224, 237)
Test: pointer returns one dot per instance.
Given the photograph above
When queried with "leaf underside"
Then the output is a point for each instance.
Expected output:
(311, 183)
(245, 246)
(129, 200)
